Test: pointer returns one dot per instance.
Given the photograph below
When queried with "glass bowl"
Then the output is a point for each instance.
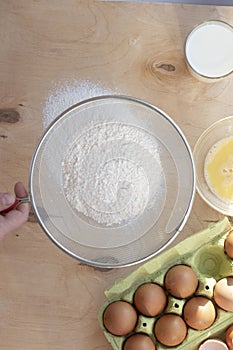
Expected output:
(112, 181)
(206, 154)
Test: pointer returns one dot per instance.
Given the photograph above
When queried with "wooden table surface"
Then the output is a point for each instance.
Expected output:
(48, 300)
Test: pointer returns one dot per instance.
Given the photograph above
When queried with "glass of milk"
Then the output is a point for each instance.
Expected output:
(209, 50)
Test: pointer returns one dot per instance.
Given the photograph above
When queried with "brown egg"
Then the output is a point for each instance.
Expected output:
(223, 293)
(213, 344)
(150, 299)
(228, 245)
(229, 337)
(170, 330)
(199, 313)
(120, 318)
(181, 281)
(139, 341)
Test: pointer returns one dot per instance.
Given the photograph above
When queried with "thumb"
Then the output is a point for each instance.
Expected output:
(6, 200)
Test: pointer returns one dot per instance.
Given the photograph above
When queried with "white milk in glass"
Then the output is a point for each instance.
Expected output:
(209, 50)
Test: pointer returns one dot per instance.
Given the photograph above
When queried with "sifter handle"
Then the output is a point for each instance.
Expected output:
(17, 202)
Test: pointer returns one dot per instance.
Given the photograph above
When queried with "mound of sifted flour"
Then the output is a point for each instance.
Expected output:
(104, 175)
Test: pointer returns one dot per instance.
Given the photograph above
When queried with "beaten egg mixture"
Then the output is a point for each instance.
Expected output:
(219, 169)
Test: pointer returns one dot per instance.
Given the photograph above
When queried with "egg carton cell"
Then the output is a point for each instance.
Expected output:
(205, 255)
(211, 261)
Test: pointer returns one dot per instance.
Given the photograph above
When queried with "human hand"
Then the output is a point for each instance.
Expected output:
(16, 217)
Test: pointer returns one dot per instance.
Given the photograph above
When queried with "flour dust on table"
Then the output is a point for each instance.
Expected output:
(66, 94)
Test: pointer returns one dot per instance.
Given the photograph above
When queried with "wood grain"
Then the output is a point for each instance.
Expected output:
(49, 301)
(9, 116)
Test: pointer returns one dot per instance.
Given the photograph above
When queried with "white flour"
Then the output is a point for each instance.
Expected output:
(65, 95)
(104, 175)
(109, 170)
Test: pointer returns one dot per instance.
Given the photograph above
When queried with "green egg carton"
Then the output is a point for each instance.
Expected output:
(204, 252)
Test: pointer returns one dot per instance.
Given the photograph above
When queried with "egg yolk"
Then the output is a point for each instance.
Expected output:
(219, 169)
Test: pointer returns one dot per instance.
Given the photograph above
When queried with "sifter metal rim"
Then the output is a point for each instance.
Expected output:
(113, 264)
